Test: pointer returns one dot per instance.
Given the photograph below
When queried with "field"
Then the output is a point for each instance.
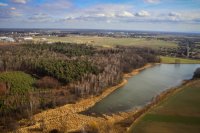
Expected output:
(172, 60)
(179, 113)
(110, 41)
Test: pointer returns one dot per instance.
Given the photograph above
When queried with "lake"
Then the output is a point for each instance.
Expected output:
(143, 87)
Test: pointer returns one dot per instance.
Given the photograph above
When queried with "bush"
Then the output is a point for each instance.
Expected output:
(55, 131)
(18, 82)
(197, 73)
(91, 128)
(3, 89)
(47, 82)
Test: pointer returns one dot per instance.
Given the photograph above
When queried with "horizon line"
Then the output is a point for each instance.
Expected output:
(163, 31)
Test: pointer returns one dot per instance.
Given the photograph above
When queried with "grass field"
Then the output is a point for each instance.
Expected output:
(170, 60)
(110, 41)
(179, 113)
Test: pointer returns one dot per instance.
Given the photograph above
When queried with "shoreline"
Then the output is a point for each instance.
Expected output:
(136, 116)
(69, 113)
(136, 71)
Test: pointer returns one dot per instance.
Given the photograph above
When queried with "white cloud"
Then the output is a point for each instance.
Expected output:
(152, 1)
(3, 4)
(20, 1)
(105, 12)
(107, 9)
(125, 14)
(65, 11)
(142, 14)
(101, 15)
(108, 21)
(12, 8)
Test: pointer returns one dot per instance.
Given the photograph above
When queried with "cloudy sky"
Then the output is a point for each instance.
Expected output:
(153, 15)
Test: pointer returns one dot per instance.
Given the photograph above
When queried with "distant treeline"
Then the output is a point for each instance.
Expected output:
(61, 73)
(187, 48)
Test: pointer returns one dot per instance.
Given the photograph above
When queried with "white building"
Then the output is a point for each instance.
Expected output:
(28, 38)
(7, 39)
(43, 39)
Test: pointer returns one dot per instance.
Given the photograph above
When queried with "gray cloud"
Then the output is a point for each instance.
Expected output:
(197, 20)
(4, 14)
(142, 14)
(174, 14)
(40, 17)
(8, 14)
(57, 4)
(20, 1)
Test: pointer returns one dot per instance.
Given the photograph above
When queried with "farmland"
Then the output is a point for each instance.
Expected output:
(111, 41)
(171, 60)
(178, 113)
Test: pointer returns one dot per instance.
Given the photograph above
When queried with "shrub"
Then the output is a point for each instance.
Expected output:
(197, 73)
(18, 82)
(47, 82)
(3, 89)
(91, 128)
(55, 131)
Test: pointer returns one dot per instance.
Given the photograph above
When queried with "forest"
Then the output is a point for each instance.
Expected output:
(38, 76)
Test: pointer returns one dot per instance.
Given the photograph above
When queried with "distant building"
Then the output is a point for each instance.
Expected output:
(28, 38)
(7, 39)
(43, 39)
(33, 33)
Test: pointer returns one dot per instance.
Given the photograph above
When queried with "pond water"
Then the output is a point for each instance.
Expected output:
(141, 88)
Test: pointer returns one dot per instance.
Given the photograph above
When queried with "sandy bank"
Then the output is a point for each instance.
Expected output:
(136, 71)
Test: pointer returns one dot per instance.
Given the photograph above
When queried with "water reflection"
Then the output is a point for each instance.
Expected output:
(142, 88)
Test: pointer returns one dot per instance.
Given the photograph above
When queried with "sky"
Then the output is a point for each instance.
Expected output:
(145, 15)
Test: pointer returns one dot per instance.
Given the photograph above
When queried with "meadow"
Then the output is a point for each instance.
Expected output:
(178, 113)
(172, 60)
(110, 41)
